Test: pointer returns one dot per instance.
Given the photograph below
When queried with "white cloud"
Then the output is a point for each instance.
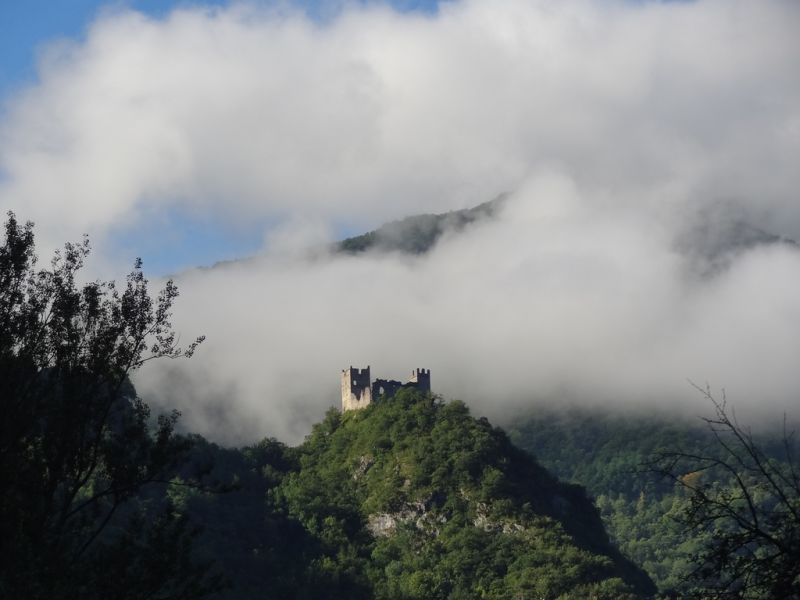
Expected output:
(615, 123)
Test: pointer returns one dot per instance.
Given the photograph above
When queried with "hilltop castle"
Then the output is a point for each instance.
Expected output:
(358, 390)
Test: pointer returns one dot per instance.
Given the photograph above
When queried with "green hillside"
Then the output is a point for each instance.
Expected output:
(409, 498)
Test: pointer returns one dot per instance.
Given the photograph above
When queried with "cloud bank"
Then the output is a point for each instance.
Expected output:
(617, 126)
(556, 301)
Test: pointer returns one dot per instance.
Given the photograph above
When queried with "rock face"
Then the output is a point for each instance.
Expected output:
(415, 514)
(483, 521)
(364, 463)
(383, 524)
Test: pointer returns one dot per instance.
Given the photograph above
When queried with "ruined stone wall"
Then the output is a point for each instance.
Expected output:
(356, 388)
(385, 388)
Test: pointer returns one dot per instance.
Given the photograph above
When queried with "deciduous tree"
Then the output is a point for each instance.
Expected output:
(77, 446)
(748, 502)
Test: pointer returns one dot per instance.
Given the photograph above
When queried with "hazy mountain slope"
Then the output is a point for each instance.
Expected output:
(415, 234)
(714, 240)
(608, 452)
(709, 242)
(419, 233)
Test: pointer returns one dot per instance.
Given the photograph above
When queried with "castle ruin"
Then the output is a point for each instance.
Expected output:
(358, 390)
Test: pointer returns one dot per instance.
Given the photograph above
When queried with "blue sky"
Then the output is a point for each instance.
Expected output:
(27, 24)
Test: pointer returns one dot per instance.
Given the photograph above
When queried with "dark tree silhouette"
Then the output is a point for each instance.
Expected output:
(77, 446)
(747, 503)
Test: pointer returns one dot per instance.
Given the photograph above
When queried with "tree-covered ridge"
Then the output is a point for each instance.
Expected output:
(408, 498)
(419, 500)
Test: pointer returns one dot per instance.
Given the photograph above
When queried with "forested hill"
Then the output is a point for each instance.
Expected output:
(408, 498)
(419, 233)
(612, 454)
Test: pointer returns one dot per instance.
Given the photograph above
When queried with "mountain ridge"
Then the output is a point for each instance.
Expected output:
(709, 243)
(417, 234)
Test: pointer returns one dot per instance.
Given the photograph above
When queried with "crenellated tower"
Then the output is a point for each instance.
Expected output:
(422, 379)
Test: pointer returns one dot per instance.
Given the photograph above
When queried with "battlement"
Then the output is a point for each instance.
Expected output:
(358, 390)
(421, 377)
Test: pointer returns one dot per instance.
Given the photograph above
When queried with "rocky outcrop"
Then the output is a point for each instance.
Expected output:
(414, 513)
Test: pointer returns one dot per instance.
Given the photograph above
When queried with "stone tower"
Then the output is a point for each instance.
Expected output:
(356, 388)
(421, 379)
